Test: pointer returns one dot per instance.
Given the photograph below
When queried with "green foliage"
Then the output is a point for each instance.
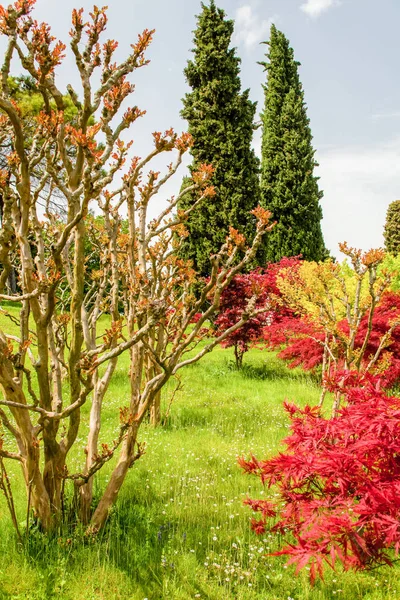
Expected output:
(289, 188)
(392, 228)
(221, 120)
(391, 265)
(30, 101)
(25, 93)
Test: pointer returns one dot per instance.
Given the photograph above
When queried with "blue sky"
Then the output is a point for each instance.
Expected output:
(349, 53)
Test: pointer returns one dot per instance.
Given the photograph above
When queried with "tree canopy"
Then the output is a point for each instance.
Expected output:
(392, 228)
(289, 188)
(221, 120)
(56, 355)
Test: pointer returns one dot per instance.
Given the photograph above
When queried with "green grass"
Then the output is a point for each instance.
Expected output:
(180, 529)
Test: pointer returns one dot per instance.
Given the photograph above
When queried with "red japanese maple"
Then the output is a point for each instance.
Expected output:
(300, 341)
(234, 302)
(260, 289)
(338, 482)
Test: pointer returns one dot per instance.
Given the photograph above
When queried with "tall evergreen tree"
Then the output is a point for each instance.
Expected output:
(221, 120)
(289, 188)
(392, 228)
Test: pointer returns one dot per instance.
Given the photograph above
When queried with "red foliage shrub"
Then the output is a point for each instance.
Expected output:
(234, 302)
(262, 287)
(338, 481)
(302, 343)
(302, 340)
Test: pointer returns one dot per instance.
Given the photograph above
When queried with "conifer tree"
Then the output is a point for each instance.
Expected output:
(221, 120)
(392, 228)
(289, 188)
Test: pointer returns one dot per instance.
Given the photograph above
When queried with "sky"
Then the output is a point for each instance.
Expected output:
(349, 52)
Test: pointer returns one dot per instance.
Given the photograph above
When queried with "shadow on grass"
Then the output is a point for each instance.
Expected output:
(275, 370)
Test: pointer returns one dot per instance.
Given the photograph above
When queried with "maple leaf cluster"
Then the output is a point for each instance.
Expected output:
(337, 485)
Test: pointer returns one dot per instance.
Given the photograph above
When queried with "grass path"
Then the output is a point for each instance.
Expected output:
(180, 530)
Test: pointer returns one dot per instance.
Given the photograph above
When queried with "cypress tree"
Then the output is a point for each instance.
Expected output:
(392, 228)
(221, 120)
(289, 188)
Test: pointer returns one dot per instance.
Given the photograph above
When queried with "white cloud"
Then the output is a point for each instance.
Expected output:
(314, 8)
(359, 183)
(249, 28)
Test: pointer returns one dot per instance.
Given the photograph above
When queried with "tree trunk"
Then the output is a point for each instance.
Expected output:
(92, 450)
(12, 281)
(52, 478)
(28, 443)
(155, 410)
(86, 490)
(39, 499)
(127, 453)
(238, 357)
(125, 461)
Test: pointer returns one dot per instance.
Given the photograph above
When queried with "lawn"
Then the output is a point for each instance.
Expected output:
(180, 529)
